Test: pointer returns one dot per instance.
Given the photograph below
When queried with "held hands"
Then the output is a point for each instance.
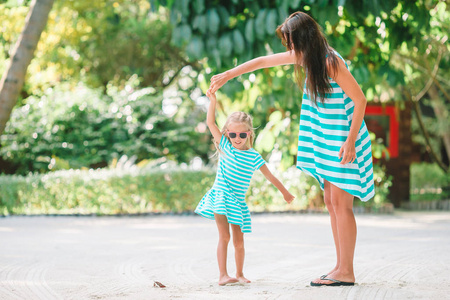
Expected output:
(211, 95)
(217, 81)
(347, 152)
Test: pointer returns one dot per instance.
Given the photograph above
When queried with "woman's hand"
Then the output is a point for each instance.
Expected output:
(347, 152)
(217, 81)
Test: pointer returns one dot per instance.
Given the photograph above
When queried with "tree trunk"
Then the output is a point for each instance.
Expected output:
(14, 76)
(442, 115)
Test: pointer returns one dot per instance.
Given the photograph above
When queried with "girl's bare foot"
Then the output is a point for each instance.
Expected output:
(242, 279)
(227, 279)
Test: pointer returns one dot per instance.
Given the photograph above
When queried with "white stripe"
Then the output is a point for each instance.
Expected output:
(324, 121)
(320, 139)
(325, 131)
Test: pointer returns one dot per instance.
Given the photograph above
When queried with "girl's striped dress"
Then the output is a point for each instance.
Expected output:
(227, 196)
(323, 130)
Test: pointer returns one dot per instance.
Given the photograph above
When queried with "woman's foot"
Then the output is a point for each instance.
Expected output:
(337, 275)
(329, 274)
(242, 279)
(227, 279)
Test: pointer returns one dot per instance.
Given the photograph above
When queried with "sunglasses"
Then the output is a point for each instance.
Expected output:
(242, 135)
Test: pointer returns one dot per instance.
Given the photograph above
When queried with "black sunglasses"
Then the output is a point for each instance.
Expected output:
(242, 135)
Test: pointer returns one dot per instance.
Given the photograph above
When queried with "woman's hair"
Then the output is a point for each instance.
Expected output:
(301, 33)
(242, 118)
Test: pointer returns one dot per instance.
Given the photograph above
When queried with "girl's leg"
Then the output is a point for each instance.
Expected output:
(342, 203)
(239, 252)
(222, 247)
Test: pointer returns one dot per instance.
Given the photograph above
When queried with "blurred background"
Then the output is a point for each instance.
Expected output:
(108, 114)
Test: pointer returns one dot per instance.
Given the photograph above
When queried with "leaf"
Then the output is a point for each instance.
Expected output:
(225, 45)
(195, 48)
(200, 23)
(216, 56)
(238, 42)
(249, 32)
(224, 16)
(183, 6)
(213, 21)
(282, 14)
(272, 23)
(294, 4)
(260, 28)
(211, 44)
(199, 6)
(176, 37)
(185, 33)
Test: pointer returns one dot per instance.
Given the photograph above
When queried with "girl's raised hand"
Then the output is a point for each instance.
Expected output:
(217, 81)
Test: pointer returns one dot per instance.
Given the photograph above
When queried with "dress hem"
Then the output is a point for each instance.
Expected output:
(316, 176)
(200, 213)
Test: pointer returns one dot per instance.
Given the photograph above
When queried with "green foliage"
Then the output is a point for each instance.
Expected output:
(128, 188)
(103, 191)
(83, 127)
(429, 182)
(367, 33)
(100, 42)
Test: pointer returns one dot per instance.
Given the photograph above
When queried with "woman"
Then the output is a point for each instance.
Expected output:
(334, 144)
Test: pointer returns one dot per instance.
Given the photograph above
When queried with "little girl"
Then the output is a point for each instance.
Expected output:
(225, 201)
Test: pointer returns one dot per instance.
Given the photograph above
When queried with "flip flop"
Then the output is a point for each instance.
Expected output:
(335, 282)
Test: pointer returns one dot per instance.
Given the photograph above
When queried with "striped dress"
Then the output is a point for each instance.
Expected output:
(323, 130)
(227, 196)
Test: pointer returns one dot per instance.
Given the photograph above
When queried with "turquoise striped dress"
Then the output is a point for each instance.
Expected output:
(227, 196)
(323, 130)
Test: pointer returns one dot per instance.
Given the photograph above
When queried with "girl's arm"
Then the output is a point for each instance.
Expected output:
(266, 172)
(285, 58)
(347, 82)
(211, 117)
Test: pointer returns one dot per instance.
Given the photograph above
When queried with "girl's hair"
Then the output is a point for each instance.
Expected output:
(242, 118)
(301, 33)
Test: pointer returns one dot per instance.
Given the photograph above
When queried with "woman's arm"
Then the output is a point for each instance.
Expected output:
(285, 58)
(347, 82)
(266, 172)
(211, 117)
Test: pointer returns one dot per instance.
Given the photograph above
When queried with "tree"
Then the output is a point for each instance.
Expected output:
(14, 77)
(372, 34)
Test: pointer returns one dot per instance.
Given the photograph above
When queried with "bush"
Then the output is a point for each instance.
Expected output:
(429, 182)
(85, 128)
(142, 190)
(104, 191)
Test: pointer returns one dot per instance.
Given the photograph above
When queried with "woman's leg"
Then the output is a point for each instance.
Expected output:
(239, 252)
(342, 203)
(329, 205)
(222, 247)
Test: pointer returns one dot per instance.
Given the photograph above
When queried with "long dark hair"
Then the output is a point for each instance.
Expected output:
(301, 33)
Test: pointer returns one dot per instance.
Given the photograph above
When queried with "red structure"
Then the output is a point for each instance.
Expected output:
(383, 121)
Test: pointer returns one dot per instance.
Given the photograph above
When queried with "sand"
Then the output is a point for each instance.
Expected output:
(401, 256)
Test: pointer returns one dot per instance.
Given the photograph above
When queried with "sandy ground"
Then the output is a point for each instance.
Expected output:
(400, 256)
